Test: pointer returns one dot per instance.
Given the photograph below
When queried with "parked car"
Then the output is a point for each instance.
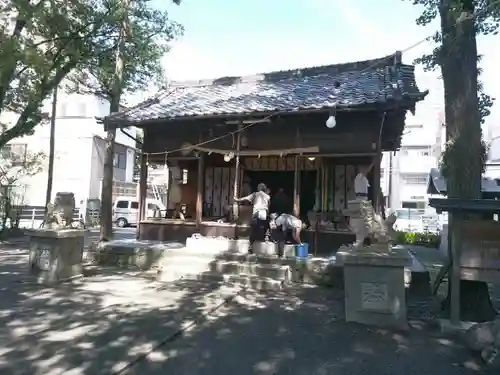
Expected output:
(409, 220)
(126, 210)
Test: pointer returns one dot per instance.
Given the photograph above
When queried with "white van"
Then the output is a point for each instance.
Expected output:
(126, 209)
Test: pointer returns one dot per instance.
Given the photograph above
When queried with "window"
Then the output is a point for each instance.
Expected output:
(16, 153)
(134, 205)
(410, 213)
(153, 207)
(414, 179)
(413, 205)
(122, 204)
(184, 176)
(119, 160)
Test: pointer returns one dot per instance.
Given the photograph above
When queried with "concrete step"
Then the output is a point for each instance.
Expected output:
(240, 246)
(255, 282)
(248, 281)
(254, 258)
(272, 271)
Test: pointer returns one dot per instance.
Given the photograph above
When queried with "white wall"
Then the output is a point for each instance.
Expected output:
(78, 160)
(411, 165)
(120, 173)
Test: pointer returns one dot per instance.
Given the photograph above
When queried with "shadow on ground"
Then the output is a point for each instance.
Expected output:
(300, 332)
(102, 325)
(93, 327)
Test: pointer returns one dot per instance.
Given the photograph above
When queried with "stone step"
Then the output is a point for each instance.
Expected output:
(249, 281)
(255, 282)
(253, 258)
(272, 271)
(240, 246)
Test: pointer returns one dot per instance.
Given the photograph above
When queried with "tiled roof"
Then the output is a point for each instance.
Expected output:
(341, 85)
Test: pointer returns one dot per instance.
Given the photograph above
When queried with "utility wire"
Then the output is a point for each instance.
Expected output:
(462, 18)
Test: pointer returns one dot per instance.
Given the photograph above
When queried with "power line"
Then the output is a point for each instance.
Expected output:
(462, 18)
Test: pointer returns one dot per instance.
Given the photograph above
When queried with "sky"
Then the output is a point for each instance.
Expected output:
(227, 38)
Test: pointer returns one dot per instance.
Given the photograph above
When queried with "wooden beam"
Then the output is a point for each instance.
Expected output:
(143, 191)
(376, 183)
(199, 190)
(236, 182)
(296, 188)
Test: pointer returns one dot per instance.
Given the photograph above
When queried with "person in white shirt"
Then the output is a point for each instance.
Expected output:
(361, 186)
(361, 183)
(260, 211)
(287, 222)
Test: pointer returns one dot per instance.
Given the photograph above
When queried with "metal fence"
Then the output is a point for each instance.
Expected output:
(33, 216)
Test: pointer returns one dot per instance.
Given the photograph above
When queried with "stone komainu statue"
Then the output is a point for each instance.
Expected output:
(60, 213)
(365, 223)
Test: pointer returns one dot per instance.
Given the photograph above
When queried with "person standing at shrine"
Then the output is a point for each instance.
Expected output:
(260, 213)
(361, 183)
(358, 216)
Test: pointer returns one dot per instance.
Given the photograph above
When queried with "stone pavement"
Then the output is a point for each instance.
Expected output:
(93, 327)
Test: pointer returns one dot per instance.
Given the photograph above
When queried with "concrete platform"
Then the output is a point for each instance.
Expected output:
(211, 256)
(130, 253)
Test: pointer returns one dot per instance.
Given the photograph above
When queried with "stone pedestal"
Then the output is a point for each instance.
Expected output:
(56, 254)
(374, 285)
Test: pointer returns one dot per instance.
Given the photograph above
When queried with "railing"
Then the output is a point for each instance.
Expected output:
(32, 216)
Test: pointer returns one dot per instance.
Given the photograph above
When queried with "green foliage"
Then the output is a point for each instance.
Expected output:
(13, 167)
(487, 21)
(146, 39)
(49, 39)
(455, 151)
(428, 239)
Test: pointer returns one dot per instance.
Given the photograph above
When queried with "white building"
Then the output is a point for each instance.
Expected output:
(79, 151)
(404, 174)
(492, 169)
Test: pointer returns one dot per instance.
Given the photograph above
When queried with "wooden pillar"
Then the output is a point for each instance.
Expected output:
(143, 191)
(376, 181)
(296, 187)
(455, 250)
(296, 179)
(199, 190)
(236, 182)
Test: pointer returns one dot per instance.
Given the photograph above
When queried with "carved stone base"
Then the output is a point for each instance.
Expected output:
(56, 255)
(374, 285)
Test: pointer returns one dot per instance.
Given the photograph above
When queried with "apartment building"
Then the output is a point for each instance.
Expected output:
(79, 151)
(405, 173)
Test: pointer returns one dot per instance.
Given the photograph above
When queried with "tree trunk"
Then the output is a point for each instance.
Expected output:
(475, 302)
(50, 172)
(107, 188)
(107, 179)
(464, 149)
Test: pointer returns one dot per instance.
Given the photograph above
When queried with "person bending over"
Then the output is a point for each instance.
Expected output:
(260, 210)
(286, 223)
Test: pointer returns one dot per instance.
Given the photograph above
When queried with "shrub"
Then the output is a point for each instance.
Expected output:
(428, 239)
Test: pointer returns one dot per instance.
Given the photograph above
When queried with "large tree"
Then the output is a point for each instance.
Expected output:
(109, 47)
(43, 41)
(466, 106)
(141, 35)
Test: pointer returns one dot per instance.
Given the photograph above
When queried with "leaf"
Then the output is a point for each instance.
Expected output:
(52, 41)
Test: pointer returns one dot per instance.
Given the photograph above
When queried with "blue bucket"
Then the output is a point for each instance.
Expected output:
(302, 250)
